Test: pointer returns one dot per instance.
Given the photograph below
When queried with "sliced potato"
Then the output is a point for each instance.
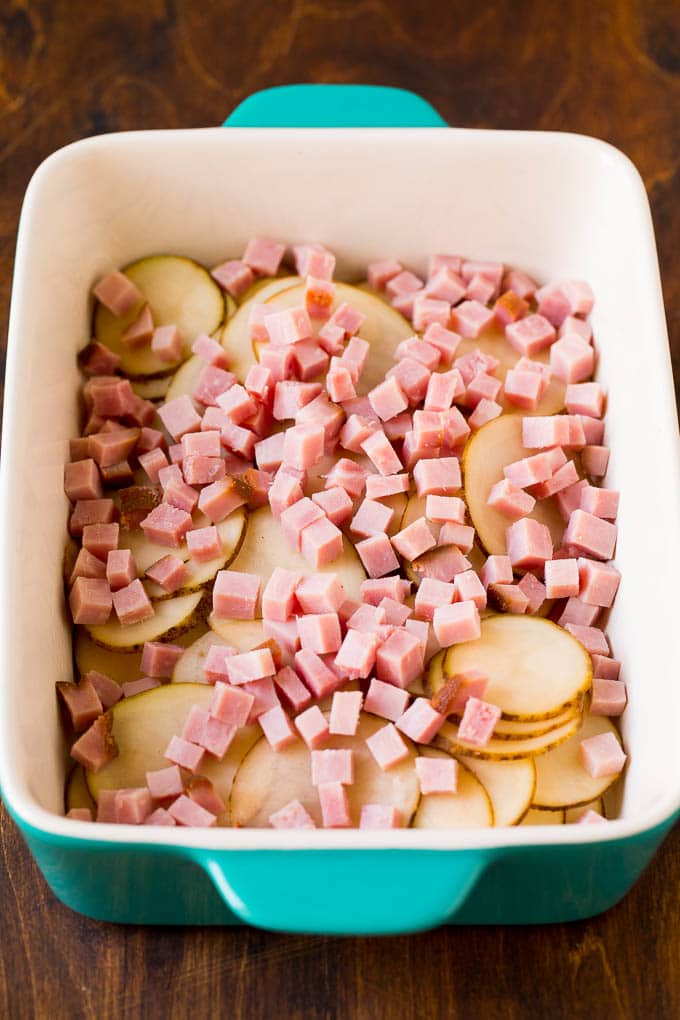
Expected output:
(561, 780)
(154, 388)
(506, 750)
(236, 335)
(189, 667)
(535, 668)
(240, 634)
(492, 341)
(541, 816)
(186, 377)
(172, 617)
(384, 328)
(181, 293)
(120, 666)
(470, 807)
(77, 793)
(574, 814)
(268, 779)
(231, 531)
(265, 547)
(509, 784)
(495, 445)
(142, 728)
(146, 552)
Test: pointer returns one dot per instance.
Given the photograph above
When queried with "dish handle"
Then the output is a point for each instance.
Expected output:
(344, 892)
(326, 106)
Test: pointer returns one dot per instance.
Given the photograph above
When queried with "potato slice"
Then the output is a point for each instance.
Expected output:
(470, 807)
(231, 531)
(236, 334)
(77, 794)
(146, 552)
(384, 327)
(492, 341)
(574, 814)
(267, 780)
(240, 634)
(506, 729)
(543, 816)
(185, 378)
(120, 666)
(189, 667)
(561, 780)
(495, 445)
(509, 784)
(536, 669)
(180, 292)
(172, 617)
(155, 388)
(143, 726)
(265, 547)
(506, 750)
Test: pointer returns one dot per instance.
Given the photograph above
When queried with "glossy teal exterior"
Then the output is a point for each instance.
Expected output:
(339, 891)
(367, 892)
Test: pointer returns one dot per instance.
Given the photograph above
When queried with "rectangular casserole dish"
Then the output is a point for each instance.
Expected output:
(552, 204)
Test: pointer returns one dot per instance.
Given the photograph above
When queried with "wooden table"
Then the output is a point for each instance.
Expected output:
(70, 68)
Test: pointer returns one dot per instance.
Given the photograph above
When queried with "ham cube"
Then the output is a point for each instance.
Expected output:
(289, 326)
(470, 318)
(399, 660)
(608, 697)
(320, 593)
(396, 613)
(454, 624)
(210, 351)
(367, 618)
(297, 517)
(590, 536)
(179, 416)
(445, 340)
(97, 746)
(442, 389)
(445, 285)
(377, 555)
(235, 595)
(600, 502)
(561, 578)
(334, 806)
(231, 705)
(132, 604)
(204, 544)
(303, 446)
(496, 570)
(460, 535)
(265, 696)
(540, 432)
(605, 667)
(578, 612)
(120, 568)
(132, 805)
(388, 399)
(374, 591)
(413, 540)
(432, 593)
(276, 728)
(82, 480)
(212, 383)
(339, 382)
(452, 698)
(312, 727)
(90, 601)
(468, 588)
(509, 308)
(529, 544)
(153, 462)
(234, 276)
(333, 767)
(159, 658)
(403, 283)
(484, 387)
(133, 687)
(381, 272)
(319, 295)
(320, 680)
(345, 710)
(291, 816)
(387, 747)
(386, 700)
(108, 691)
(165, 783)
(595, 460)
(420, 350)
(278, 597)
(254, 665)
(291, 396)
(81, 702)
(284, 493)
(413, 377)
(166, 343)
(428, 311)
(237, 404)
(530, 335)
(220, 498)
(585, 398)
(199, 470)
(187, 812)
(96, 359)
(439, 477)
(321, 543)
(561, 298)
(592, 638)
(572, 359)
(166, 525)
(118, 293)
(110, 447)
(478, 722)
(564, 478)
(509, 500)
(437, 775)
(534, 590)
(382, 486)
(320, 632)
(170, 573)
(598, 582)
(294, 692)
(380, 451)
(508, 598)
(530, 470)
(263, 256)
(100, 539)
(524, 389)
(357, 654)
(372, 518)
(437, 262)
(185, 754)
(379, 816)
(420, 721)
(602, 755)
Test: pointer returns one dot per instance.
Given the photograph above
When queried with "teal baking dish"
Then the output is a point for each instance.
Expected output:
(370, 172)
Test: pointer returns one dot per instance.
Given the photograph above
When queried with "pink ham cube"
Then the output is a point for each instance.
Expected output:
(578, 612)
(321, 543)
(454, 624)
(166, 525)
(372, 518)
(432, 594)
(247, 666)
(380, 487)
(445, 285)
(234, 276)
(82, 480)
(335, 503)
(81, 701)
(381, 272)
(357, 654)
(572, 359)
(529, 544)
(445, 509)
(590, 536)
(468, 588)
(439, 477)
(445, 340)
(165, 783)
(510, 500)
(289, 326)
(478, 722)
(291, 816)
(276, 728)
(523, 389)
(598, 582)
(179, 416)
(460, 535)
(437, 775)
(592, 638)
(320, 632)
(284, 493)
(320, 593)
(185, 754)
(320, 680)
(387, 747)
(339, 382)
(470, 318)
(334, 806)
(278, 597)
(442, 389)
(380, 451)
(345, 710)
(120, 568)
(170, 572)
(312, 727)
(608, 697)
(297, 517)
(210, 351)
(377, 555)
(204, 544)
(413, 540)
(231, 705)
(428, 311)
(386, 700)
(403, 283)
(117, 293)
(335, 766)
(561, 298)
(263, 256)
(534, 590)
(561, 578)
(399, 660)
(496, 570)
(530, 335)
(132, 604)
(235, 595)
(420, 721)
(166, 343)
(600, 502)
(187, 812)
(388, 399)
(379, 816)
(602, 755)
(159, 658)
(303, 445)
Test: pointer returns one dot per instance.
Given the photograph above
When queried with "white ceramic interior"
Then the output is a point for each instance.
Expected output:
(552, 204)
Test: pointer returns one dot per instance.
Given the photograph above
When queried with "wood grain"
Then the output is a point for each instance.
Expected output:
(70, 68)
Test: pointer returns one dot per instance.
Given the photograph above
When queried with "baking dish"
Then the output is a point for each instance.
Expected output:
(552, 204)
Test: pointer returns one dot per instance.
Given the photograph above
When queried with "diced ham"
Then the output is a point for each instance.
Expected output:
(523, 389)
(453, 696)
(291, 816)
(602, 755)
(496, 570)
(386, 700)
(534, 591)
(460, 535)
(578, 326)
(165, 783)
(381, 272)
(357, 654)
(442, 389)
(428, 311)
(333, 766)
(561, 578)
(111, 447)
(445, 285)
(234, 276)
(187, 812)
(388, 399)
(170, 572)
(530, 335)
(598, 582)
(478, 722)
(320, 680)
(97, 746)
(82, 480)
(334, 806)
(320, 632)
(387, 747)
(108, 691)
(432, 594)
(396, 613)
(210, 351)
(592, 638)
(321, 542)
(468, 588)
(456, 623)
(345, 709)
(374, 591)
(509, 500)
(220, 498)
(572, 359)
(202, 791)
(445, 340)
(179, 416)
(185, 754)
(319, 295)
(159, 658)
(595, 460)
(292, 689)
(437, 477)
(372, 518)
(166, 525)
(118, 293)
(470, 318)
(578, 612)
(508, 598)
(437, 775)
(605, 667)
(484, 387)
(100, 539)
(540, 431)
(90, 601)
(561, 298)
(96, 359)
(380, 451)
(132, 604)
(235, 595)
(297, 517)
(413, 377)
(591, 536)
(120, 568)
(166, 343)
(276, 728)
(529, 544)
(278, 597)
(585, 398)
(320, 593)
(403, 283)
(399, 660)
(379, 816)
(339, 382)
(608, 697)
(510, 307)
(132, 805)
(81, 701)
(312, 727)
(600, 502)
(530, 470)
(264, 256)
(413, 540)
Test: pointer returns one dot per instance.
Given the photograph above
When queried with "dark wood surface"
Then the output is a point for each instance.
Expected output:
(70, 68)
